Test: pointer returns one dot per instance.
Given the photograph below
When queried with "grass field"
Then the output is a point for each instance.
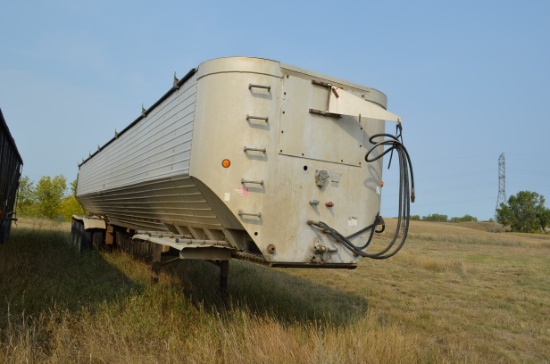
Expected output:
(456, 293)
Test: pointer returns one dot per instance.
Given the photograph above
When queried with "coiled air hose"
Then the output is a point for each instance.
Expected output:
(406, 196)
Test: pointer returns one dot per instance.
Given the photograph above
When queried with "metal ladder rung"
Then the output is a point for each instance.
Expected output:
(250, 149)
(252, 117)
(251, 86)
(247, 181)
(258, 215)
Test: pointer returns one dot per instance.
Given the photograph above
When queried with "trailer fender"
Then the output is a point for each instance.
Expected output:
(91, 222)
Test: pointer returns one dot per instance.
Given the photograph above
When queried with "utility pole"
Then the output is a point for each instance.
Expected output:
(501, 198)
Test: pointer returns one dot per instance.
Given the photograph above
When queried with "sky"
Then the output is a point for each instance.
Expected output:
(470, 79)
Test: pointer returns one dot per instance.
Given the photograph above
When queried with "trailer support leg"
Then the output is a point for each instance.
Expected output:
(224, 273)
(155, 271)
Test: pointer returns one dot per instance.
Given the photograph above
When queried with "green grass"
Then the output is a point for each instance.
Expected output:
(461, 295)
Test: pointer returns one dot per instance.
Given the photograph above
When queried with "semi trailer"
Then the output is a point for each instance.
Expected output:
(248, 158)
(11, 165)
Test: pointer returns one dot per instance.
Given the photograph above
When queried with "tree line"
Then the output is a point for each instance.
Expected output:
(49, 198)
(525, 212)
(443, 218)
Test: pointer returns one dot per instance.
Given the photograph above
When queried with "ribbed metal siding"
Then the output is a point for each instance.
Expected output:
(149, 205)
(158, 147)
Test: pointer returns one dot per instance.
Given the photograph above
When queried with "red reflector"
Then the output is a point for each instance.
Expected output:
(329, 204)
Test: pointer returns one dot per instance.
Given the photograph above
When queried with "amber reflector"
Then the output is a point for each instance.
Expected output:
(226, 163)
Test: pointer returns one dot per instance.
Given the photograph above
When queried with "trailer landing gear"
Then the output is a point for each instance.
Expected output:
(157, 263)
(224, 273)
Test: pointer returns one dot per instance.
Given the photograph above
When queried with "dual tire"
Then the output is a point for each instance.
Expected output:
(83, 240)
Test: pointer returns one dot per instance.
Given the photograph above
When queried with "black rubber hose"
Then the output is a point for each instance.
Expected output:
(406, 196)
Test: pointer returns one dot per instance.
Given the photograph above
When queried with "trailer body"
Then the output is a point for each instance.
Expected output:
(237, 158)
(11, 165)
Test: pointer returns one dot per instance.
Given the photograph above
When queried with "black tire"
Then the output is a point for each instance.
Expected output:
(80, 238)
(98, 239)
(86, 243)
(74, 233)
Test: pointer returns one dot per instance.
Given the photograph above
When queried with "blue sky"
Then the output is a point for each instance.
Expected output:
(469, 78)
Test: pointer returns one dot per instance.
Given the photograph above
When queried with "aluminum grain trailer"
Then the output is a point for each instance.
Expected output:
(248, 158)
(11, 165)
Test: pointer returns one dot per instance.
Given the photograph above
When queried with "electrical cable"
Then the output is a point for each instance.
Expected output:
(406, 196)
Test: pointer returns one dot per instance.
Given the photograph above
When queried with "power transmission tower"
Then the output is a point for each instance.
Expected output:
(501, 198)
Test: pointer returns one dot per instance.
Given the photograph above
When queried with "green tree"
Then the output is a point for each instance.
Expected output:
(544, 219)
(524, 212)
(49, 193)
(435, 217)
(70, 206)
(26, 200)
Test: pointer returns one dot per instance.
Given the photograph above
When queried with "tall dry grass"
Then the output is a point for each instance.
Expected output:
(439, 300)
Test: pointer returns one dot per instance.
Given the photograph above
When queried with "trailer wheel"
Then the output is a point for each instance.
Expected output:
(80, 238)
(74, 233)
(98, 239)
(86, 241)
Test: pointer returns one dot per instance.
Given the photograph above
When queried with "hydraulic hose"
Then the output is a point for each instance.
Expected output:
(406, 196)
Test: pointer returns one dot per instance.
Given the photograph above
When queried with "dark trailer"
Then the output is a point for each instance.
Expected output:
(11, 165)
